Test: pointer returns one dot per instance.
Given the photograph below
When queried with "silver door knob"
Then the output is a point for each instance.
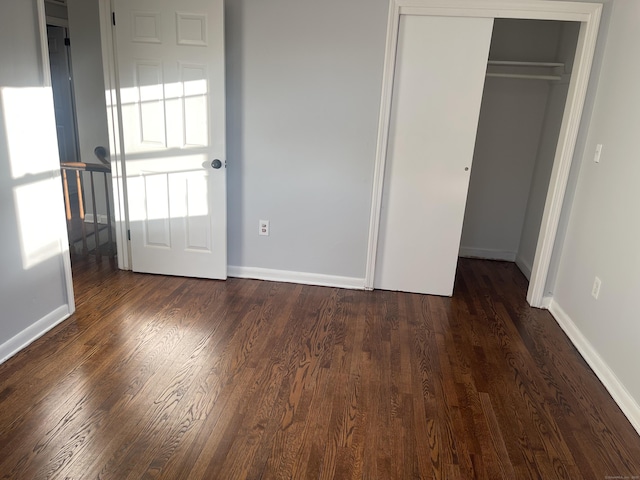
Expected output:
(216, 164)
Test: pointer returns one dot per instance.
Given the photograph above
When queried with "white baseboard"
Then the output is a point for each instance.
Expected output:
(487, 253)
(102, 219)
(620, 394)
(33, 332)
(524, 266)
(296, 277)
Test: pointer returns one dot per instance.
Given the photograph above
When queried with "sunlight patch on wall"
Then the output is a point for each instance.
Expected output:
(31, 136)
(33, 157)
(166, 115)
(38, 221)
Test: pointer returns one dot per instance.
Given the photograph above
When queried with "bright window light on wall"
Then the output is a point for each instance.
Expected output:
(33, 155)
(30, 129)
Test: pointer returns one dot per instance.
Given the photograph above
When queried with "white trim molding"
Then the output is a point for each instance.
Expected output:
(30, 334)
(116, 135)
(564, 155)
(304, 278)
(384, 122)
(589, 16)
(609, 379)
(44, 44)
(62, 227)
(530, 9)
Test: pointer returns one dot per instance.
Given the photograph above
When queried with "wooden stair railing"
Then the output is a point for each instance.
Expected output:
(79, 167)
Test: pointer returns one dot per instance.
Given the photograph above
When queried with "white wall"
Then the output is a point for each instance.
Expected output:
(303, 83)
(32, 283)
(88, 82)
(603, 232)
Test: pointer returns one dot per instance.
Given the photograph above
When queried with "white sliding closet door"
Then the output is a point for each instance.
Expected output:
(439, 79)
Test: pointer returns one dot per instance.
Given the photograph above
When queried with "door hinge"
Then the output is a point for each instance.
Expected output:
(67, 41)
(113, 18)
(129, 234)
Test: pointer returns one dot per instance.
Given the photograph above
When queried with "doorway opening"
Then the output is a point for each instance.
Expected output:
(433, 82)
(523, 103)
(78, 93)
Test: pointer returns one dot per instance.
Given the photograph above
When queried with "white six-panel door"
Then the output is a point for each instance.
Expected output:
(170, 57)
(439, 79)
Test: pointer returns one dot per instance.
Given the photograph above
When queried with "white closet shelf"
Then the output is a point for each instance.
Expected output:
(548, 71)
(511, 63)
(533, 76)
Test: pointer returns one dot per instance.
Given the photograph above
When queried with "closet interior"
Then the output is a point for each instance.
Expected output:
(526, 86)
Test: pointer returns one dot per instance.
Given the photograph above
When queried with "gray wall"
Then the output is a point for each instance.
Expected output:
(511, 121)
(32, 283)
(554, 113)
(603, 232)
(55, 10)
(303, 83)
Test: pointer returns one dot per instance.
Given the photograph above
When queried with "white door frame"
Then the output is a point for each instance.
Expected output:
(116, 146)
(46, 83)
(589, 16)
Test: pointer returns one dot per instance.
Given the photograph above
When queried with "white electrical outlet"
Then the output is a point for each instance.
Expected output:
(263, 228)
(595, 291)
(596, 158)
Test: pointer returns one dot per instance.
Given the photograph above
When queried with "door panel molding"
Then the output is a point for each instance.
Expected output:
(170, 76)
(188, 97)
(588, 14)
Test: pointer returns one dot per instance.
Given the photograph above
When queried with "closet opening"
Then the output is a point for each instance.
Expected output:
(481, 106)
(523, 104)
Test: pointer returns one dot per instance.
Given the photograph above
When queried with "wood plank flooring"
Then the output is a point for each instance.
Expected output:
(171, 378)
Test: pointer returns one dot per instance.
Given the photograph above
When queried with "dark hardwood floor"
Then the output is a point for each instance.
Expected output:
(172, 378)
